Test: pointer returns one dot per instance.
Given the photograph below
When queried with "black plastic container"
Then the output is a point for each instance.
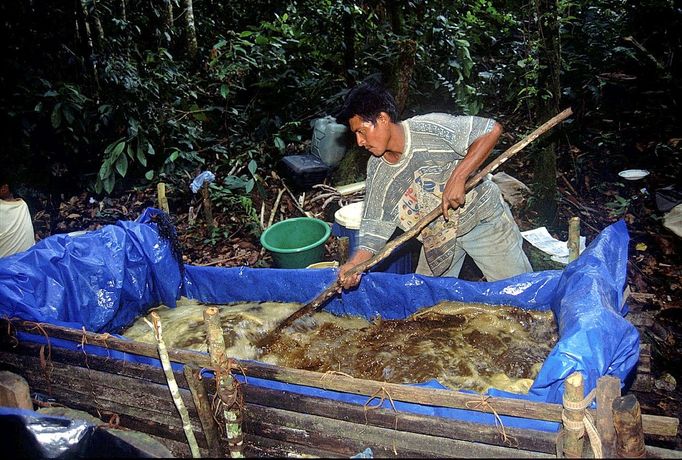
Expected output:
(303, 171)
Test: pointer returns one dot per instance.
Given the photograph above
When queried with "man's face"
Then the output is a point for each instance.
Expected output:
(4, 191)
(372, 136)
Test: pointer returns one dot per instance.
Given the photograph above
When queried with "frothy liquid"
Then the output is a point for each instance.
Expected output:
(462, 345)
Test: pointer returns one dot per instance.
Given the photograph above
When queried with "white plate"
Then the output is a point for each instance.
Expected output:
(633, 174)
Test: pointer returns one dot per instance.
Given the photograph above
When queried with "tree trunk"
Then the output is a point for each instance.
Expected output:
(88, 46)
(402, 71)
(393, 7)
(190, 30)
(549, 88)
(98, 24)
(167, 21)
(348, 47)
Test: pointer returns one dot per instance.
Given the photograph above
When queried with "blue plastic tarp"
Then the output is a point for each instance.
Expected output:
(105, 279)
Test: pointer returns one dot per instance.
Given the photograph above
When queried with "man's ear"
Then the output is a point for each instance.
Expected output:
(384, 118)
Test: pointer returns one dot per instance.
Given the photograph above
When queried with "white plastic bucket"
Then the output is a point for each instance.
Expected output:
(350, 215)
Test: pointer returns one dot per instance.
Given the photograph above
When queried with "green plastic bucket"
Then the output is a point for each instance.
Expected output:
(297, 242)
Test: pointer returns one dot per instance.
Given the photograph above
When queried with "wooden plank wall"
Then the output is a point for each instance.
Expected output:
(276, 423)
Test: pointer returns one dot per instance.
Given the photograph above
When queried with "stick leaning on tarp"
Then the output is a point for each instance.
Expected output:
(388, 249)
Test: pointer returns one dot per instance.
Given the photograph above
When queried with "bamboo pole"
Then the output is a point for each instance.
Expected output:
(574, 391)
(653, 424)
(161, 197)
(391, 246)
(627, 418)
(227, 388)
(203, 406)
(155, 325)
(573, 238)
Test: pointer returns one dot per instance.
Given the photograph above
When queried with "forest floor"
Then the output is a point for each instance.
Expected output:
(588, 187)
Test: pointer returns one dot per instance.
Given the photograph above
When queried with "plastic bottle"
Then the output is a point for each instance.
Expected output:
(329, 141)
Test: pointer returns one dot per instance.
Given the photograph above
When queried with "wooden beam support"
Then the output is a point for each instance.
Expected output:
(608, 389)
(574, 392)
(627, 418)
(203, 407)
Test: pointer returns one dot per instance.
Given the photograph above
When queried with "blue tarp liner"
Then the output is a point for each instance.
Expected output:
(105, 279)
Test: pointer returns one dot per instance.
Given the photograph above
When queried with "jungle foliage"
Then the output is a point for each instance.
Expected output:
(111, 93)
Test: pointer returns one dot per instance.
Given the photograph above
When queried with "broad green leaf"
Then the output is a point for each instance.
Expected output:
(130, 151)
(104, 170)
(149, 175)
(122, 165)
(56, 117)
(173, 156)
(150, 149)
(68, 115)
(109, 183)
(140, 155)
(279, 143)
(224, 91)
(116, 151)
(252, 166)
(133, 127)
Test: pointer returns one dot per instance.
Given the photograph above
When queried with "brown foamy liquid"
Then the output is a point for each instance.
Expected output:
(462, 345)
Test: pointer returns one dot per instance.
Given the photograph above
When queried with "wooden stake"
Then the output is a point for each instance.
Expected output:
(155, 324)
(627, 418)
(391, 246)
(161, 197)
(203, 406)
(208, 208)
(344, 249)
(227, 388)
(573, 238)
(275, 207)
(574, 391)
(608, 389)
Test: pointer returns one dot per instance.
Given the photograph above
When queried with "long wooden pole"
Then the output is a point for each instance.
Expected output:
(155, 324)
(388, 249)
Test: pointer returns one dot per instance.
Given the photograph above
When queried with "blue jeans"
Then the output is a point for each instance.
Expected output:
(495, 244)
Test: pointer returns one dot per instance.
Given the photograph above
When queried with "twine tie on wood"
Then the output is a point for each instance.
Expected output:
(13, 339)
(585, 425)
(484, 404)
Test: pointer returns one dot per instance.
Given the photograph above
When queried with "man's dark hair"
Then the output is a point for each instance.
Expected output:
(6, 178)
(367, 100)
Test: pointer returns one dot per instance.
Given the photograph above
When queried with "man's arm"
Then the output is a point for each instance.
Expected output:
(454, 194)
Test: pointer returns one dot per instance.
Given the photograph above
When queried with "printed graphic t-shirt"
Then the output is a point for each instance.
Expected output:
(399, 194)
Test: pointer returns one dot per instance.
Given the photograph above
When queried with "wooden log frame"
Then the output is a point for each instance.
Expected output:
(138, 394)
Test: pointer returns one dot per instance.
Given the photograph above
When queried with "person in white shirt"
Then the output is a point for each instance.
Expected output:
(16, 226)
